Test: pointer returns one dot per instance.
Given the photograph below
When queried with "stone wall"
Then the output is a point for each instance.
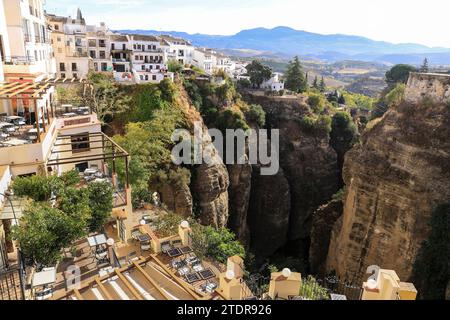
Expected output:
(430, 85)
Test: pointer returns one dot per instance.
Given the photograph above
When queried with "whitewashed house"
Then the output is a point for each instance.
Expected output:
(148, 60)
(205, 59)
(275, 83)
(178, 50)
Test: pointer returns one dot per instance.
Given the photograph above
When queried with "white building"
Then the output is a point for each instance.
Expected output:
(178, 50)
(70, 46)
(28, 54)
(99, 47)
(148, 60)
(205, 59)
(275, 83)
(225, 64)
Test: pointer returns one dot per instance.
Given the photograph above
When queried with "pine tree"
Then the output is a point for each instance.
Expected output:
(322, 86)
(295, 78)
(315, 84)
(424, 68)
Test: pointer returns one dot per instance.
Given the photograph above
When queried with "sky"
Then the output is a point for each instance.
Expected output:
(396, 21)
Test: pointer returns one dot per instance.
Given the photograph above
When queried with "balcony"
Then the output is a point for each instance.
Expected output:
(19, 60)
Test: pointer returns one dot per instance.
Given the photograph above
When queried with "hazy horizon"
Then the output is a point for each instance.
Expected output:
(381, 20)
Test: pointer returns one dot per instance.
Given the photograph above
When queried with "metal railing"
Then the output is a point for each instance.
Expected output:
(19, 60)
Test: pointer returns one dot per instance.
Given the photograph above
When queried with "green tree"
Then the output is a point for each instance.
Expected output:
(100, 203)
(399, 74)
(425, 68)
(105, 96)
(43, 233)
(217, 244)
(295, 78)
(315, 84)
(343, 136)
(174, 66)
(432, 266)
(322, 85)
(258, 73)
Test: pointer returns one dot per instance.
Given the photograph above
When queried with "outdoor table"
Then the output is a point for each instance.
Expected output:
(44, 278)
(97, 240)
(4, 124)
(69, 114)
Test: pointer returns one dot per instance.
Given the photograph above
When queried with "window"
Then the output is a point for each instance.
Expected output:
(63, 75)
(102, 43)
(102, 55)
(75, 76)
(74, 67)
(81, 167)
(154, 77)
(124, 46)
(149, 47)
(58, 39)
(92, 42)
(113, 46)
(92, 54)
(146, 77)
(35, 55)
(143, 67)
(56, 27)
(95, 66)
(80, 143)
(104, 66)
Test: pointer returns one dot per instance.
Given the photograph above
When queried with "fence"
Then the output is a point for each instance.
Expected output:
(311, 288)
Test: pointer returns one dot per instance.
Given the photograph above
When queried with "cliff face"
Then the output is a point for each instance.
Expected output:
(269, 213)
(239, 193)
(209, 185)
(394, 180)
(178, 198)
(281, 206)
(324, 219)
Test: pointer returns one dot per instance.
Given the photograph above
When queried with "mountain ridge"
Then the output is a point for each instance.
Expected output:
(308, 44)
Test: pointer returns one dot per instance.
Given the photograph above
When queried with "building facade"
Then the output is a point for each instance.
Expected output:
(27, 50)
(70, 46)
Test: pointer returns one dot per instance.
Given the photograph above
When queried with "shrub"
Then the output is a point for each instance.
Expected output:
(257, 114)
(312, 290)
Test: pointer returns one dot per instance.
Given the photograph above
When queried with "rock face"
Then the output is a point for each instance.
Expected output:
(178, 198)
(324, 219)
(309, 165)
(239, 194)
(269, 213)
(433, 86)
(394, 180)
(210, 188)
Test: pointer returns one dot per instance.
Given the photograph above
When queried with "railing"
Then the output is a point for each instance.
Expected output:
(11, 285)
(18, 60)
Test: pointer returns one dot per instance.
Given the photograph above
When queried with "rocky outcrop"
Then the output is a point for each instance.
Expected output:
(324, 219)
(435, 87)
(269, 213)
(239, 193)
(210, 188)
(394, 180)
(177, 197)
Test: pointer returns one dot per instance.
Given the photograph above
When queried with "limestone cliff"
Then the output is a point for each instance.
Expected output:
(209, 185)
(308, 165)
(394, 179)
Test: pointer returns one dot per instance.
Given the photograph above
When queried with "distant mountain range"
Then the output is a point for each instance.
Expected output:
(285, 41)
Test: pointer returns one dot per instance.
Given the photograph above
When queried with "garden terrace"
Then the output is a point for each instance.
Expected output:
(95, 156)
